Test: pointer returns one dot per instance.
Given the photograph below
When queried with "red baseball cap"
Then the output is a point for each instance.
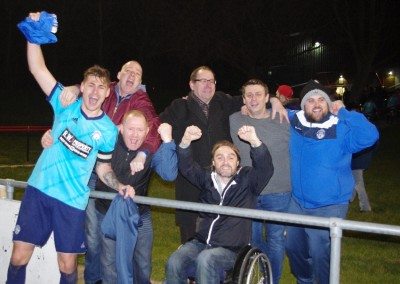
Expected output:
(286, 91)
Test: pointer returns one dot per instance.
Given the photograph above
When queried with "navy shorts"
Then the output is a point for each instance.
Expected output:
(41, 214)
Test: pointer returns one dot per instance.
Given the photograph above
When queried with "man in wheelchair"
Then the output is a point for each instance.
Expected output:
(219, 238)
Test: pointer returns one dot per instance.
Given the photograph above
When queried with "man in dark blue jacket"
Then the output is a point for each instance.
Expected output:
(218, 237)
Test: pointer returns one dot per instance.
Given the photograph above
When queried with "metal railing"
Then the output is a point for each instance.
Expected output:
(335, 225)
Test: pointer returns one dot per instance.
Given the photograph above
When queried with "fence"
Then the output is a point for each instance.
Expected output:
(335, 225)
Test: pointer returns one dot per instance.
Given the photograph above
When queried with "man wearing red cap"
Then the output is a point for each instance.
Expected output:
(285, 94)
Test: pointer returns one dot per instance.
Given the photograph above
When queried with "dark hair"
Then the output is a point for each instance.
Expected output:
(254, 82)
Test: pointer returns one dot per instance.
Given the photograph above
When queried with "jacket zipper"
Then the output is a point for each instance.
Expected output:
(216, 219)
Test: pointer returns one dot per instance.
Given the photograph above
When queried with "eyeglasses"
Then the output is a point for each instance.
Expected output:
(205, 81)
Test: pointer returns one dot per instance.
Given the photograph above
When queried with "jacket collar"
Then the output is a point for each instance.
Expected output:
(326, 129)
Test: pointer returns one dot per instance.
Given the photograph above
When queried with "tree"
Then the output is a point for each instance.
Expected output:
(369, 27)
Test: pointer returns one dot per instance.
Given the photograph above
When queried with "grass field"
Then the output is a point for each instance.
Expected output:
(366, 258)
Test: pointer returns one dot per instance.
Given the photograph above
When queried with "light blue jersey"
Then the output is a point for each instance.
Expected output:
(63, 170)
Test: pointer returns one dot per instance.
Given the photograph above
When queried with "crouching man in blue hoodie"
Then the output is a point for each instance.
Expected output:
(324, 135)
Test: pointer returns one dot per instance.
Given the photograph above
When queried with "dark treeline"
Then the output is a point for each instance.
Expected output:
(239, 39)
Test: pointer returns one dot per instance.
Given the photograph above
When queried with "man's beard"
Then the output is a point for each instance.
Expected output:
(226, 174)
(311, 118)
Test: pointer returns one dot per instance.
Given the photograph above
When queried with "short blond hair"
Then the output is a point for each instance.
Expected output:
(135, 113)
(97, 71)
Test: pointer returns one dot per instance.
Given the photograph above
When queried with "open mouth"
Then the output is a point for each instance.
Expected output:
(133, 142)
(226, 168)
(93, 100)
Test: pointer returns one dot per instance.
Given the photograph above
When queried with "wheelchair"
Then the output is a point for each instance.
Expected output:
(252, 266)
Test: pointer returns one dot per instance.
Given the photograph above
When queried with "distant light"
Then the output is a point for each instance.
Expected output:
(341, 80)
(390, 73)
(340, 91)
(317, 44)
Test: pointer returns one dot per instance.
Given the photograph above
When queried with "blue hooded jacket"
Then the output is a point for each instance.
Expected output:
(321, 154)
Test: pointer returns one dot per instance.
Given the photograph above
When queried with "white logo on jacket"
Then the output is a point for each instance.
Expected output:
(320, 133)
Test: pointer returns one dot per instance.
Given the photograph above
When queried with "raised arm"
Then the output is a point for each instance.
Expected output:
(248, 134)
(165, 160)
(192, 133)
(261, 158)
(37, 65)
(277, 107)
(362, 132)
(187, 166)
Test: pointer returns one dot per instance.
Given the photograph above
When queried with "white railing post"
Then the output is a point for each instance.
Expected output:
(336, 239)
(10, 188)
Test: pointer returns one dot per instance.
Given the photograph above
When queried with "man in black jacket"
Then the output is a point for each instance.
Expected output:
(209, 110)
(218, 237)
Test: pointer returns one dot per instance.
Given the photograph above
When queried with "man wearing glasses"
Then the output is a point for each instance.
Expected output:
(209, 110)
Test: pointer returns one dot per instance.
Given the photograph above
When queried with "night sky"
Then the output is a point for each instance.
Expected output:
(238, 39)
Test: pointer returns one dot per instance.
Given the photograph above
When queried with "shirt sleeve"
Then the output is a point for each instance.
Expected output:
(362, 132)
(263, 168)
(104, 154)
(165, 161)
(190, 169)
(54, 98)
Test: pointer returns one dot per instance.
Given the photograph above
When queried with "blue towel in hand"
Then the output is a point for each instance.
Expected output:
(42, 31)
(120, 224)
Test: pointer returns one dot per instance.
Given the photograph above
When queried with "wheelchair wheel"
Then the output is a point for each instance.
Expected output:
(237, 269)
(260, 270)
(255, 268)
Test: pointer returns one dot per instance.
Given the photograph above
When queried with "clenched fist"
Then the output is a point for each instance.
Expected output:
(165, 131)
(248, 134)
(191, 133)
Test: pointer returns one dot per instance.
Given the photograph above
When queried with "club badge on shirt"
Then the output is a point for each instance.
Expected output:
(320, 134)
